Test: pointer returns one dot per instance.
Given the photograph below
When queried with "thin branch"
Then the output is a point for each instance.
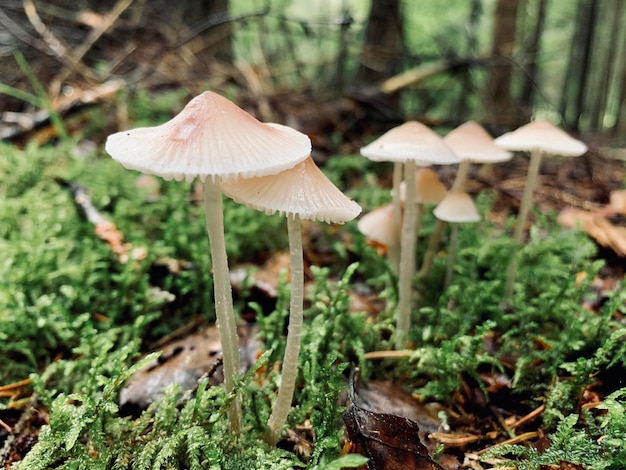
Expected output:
(55, 44)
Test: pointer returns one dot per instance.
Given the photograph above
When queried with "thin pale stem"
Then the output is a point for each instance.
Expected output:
(518, 235)
(437, 233)
(282, 406)
(394, 251)
(461, 175)
(431, 249)
(407, 257)
(224, 310)
(454, 235)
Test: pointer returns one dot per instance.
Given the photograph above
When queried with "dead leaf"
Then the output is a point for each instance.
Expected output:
(597, 226)
(389, 441)
(183, 361)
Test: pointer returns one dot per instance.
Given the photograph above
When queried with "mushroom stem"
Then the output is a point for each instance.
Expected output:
(394, 251)
(282, 406)
(437, 234)
(224, 310)
(454, 235)
(431, 249)
(522, 216)
(461, 175)
(407, 256)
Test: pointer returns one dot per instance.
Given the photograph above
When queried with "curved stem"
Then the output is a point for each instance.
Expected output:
(282, 406)
(407, 257)
(437, 233)
(431, 249)
(522, 216)
(461, 175)
(394, 251)
(454, 235)
(224, 310)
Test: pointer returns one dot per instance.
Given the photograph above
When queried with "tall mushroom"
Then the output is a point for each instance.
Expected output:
(302, 192)
(539, 138)
(471, 142)
(411, 143)
(457, 207)
(214, 140)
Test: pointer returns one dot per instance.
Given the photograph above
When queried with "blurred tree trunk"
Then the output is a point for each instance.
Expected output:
(578, 70)
(604, 65)
(620, 123)
(383, 43)
(500, 103)
(530, 77)
(212, 16)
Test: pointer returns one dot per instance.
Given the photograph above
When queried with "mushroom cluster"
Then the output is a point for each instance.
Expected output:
(413, 144)
(266, 166)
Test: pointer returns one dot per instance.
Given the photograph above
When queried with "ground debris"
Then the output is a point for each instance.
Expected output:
(389, 441)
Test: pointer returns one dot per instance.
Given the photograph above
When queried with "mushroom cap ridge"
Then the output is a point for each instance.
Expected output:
(457, 207)
(210, 137)
(410, 141)
(544, 136)
(470, 141)
(302, 190)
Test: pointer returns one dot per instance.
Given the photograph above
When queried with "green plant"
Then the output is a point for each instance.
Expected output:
(40, 99)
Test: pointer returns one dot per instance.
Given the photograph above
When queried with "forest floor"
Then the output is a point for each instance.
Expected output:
(458, 431)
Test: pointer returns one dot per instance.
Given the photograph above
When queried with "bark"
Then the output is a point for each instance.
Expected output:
(211, 18)
(383, 42)
(620, 123)
(531, 77)
(503, 43)
(577, 75)
(612, 14)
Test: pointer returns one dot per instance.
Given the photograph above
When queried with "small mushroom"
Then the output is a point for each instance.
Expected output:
(214, 140)
(457, 207)
(379, 227)
(413, 144)
(428, 188)
(302, 192)
(538, 138)
(471, 142)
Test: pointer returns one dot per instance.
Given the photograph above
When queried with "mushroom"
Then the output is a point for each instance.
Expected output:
(457, 207)
(302, 192)
(379, 227)
(428, 188)
(471, 142)
(214, 140)
(411, 143)
(538, 138)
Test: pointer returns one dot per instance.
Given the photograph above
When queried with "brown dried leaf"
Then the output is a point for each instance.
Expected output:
(597, 227)
(389, 441)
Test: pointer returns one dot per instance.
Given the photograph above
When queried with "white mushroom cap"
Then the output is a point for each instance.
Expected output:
(410, 141)
(544, 136)
(378, 226)
(302, 190)
(210, 137)
(457, 207)
(470, 141)
(428, 188)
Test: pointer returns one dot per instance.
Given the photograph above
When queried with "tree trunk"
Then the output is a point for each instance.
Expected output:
(499, 100)
(217, 38)
(605, 52)
(531, 79)
(577, 75)
(383, 43)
